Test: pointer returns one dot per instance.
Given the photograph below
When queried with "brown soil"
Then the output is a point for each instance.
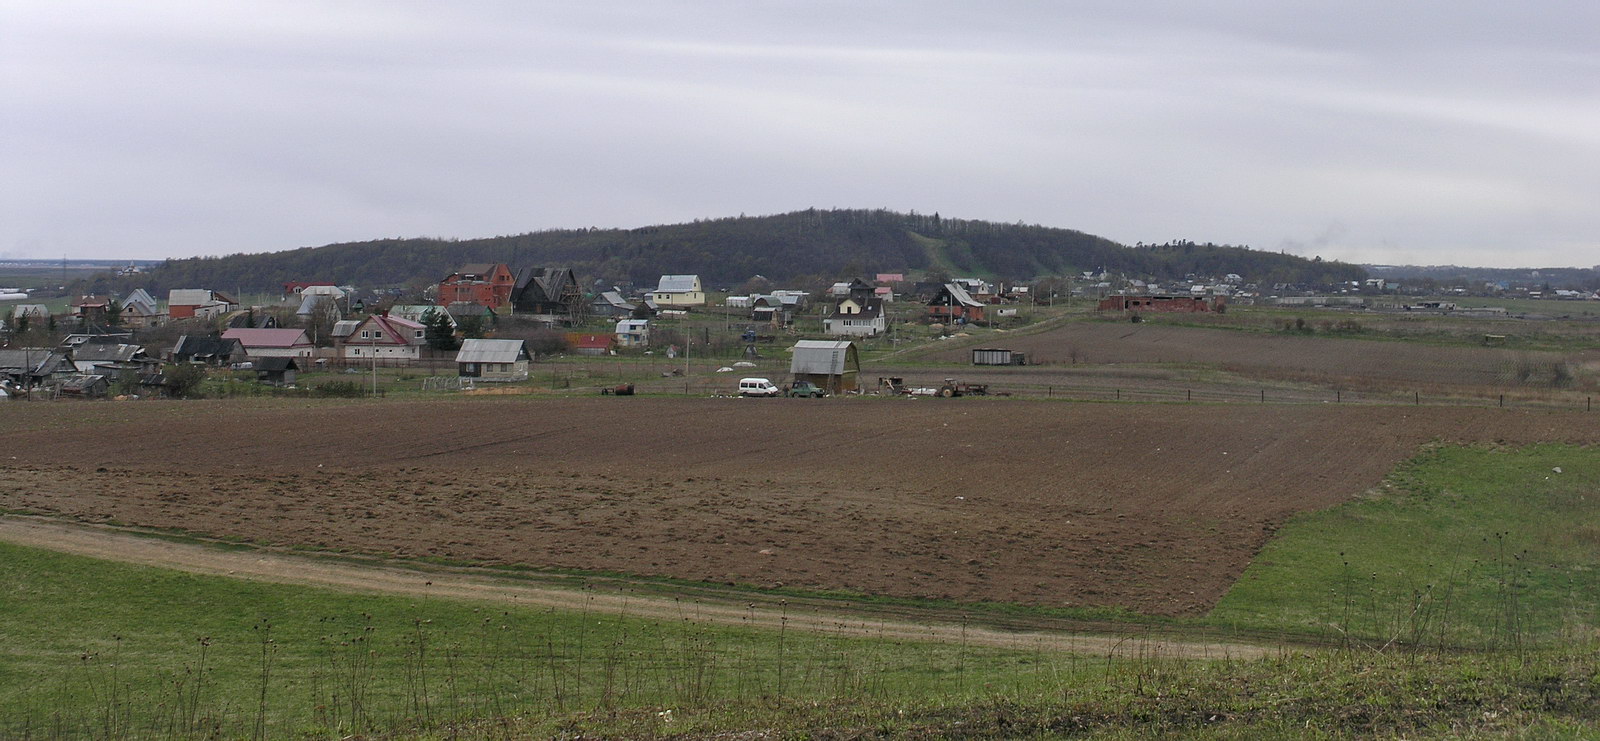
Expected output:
(1355, 362)
(1152, 508)
(466, 584)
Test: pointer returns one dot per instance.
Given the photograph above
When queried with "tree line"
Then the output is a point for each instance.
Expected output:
(728, 251)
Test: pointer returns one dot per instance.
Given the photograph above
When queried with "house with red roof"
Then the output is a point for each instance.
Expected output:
(591, 344)
(385, 338)
(272, 343)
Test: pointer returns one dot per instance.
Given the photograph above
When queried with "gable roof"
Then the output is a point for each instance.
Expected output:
(199, 346)
(268, 337)
(677, 284)
(276, 364)
(491, 351)
(344, 327)
(30, 310)
(613, 298)
(824, 357)
(96, 352)
(544, 285)
(958, 296)
(393, 327)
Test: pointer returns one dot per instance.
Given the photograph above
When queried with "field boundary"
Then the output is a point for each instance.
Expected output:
(164, 550)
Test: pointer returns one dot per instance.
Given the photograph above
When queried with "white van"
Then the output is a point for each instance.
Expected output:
(758, 387)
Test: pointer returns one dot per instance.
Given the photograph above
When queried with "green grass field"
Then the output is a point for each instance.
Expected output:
(1461, 546)
(103, 649)
(1465, 583)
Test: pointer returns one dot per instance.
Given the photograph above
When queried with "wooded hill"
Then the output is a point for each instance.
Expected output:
(786, 248)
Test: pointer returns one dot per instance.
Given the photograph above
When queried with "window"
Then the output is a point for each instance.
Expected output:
(366, 334)
(419, 334)
(377, 334)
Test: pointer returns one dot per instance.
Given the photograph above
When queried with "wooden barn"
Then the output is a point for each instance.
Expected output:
(831, 365)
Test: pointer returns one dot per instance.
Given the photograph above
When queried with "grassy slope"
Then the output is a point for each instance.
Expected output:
(1480, 546)
(80, 633)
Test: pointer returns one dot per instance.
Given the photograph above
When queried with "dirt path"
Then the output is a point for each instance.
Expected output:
(278, 567)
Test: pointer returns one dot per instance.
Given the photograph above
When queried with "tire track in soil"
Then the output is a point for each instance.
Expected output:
(389, 578)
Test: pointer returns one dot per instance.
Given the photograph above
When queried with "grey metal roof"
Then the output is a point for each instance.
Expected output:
(677, 283)
(490, 351)
(344, 327)
(826, 357)
(960, 295)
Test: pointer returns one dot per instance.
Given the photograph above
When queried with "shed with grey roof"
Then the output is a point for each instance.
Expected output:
(833, 365)
(493, 360)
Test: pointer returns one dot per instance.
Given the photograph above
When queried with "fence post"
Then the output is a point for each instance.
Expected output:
(1119, 394)
(1416, 398)
(1502, 401)
(1263, 396)
(1588, 403)
(1049, 392)
(1338, 397)
(1188, 394)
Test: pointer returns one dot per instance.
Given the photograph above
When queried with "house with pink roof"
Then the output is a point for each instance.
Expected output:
(272, 343)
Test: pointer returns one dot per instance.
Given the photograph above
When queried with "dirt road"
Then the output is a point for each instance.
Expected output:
(375, 577)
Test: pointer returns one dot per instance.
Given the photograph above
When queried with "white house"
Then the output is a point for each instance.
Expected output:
(679, 290)
(387, 338)
(858, 314)
(633, 333)
(272, 343)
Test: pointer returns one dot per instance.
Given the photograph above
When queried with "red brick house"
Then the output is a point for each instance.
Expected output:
(1180, 304)
(484, 284)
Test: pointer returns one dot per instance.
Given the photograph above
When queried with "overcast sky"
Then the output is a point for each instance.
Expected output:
(1463, 132)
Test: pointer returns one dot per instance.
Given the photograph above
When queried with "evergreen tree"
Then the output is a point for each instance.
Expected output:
(437, 330)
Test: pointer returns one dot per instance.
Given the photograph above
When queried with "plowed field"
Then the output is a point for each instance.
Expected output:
(1349, 362)
(1154, 508)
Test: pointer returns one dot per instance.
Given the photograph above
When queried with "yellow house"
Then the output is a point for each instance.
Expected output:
(679, 290)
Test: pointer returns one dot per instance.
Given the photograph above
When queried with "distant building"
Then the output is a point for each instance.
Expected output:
(488, 284)
(633, 332)
(552, 292)
(493, 360)
(859, 313)
(385, 338)
(952, 303)
(201, 303)
(679, 290)
(832, 365)
(268, 343)
(1182, 304)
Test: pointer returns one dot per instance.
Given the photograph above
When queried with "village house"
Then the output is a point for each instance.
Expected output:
(109, 358)
(777, 309)
(611, 304)
(209, 350)
(140, 309)
(298, 287)
(952, 303)
(462, 311)
(91, 386)
(590, 344)
(831, 365)
(858, 314)
(91, 309)
(384, 338)
(486, 284)
(679, 291)
(201, 303)
(415, 312)
(1152, 303)
(31, 312)
(633, 332)
(493, 360)
(276, 371)
(270, 343)
(30, 366)
(548, 292)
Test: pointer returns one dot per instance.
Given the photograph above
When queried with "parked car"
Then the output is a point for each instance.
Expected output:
(807, 389)
(758, 387)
